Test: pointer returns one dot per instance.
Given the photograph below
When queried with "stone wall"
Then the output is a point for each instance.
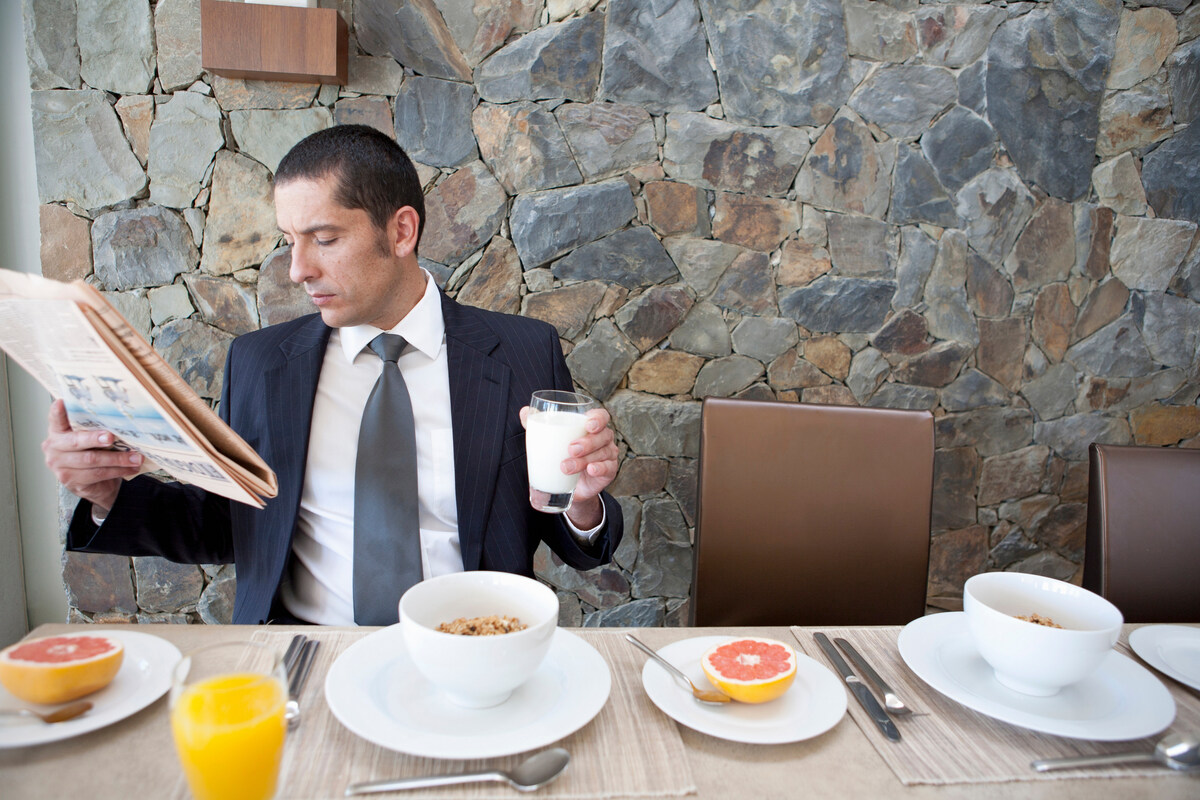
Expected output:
(984, 209)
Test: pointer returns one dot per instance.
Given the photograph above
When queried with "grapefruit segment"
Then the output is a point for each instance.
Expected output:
(55, 669)
(751, 670)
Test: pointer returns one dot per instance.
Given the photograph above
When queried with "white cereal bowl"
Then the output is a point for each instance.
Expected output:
(478, 671)
(1035, 659)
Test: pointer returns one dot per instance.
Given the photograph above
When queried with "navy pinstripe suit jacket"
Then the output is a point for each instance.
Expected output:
(495, 361)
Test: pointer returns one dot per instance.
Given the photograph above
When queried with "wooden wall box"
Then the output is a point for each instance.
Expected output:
(279, 43)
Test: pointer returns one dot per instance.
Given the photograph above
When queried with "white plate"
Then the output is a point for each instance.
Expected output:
(145, 675)
(1121, 700)
(815, 702)
(1173, 650)
(374, 689)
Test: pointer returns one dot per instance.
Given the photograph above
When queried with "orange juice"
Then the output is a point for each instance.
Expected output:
(229, 732)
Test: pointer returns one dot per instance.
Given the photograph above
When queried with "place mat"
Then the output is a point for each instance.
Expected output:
(629, 749)
(954, 744)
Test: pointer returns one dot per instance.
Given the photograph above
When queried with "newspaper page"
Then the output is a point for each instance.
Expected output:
(55, 332)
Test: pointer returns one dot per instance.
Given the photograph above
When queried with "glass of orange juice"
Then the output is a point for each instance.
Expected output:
(227, 714)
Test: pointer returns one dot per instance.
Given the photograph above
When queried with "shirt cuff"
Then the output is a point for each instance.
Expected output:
(98, 518)
(588, 536)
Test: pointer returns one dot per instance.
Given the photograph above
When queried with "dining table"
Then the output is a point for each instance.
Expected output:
(952, 751)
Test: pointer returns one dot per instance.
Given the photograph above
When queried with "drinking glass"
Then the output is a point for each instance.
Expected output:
(227, 716)
(555, 420)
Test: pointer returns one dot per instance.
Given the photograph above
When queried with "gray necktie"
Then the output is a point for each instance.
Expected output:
(387, 538)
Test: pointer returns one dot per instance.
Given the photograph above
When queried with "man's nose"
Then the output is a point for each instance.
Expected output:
(301, 267)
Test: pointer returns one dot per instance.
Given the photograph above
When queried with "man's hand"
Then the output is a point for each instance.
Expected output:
(83, 462)
(594, 458)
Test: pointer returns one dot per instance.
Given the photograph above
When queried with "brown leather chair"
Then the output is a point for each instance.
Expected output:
(811, 514)
(1143, 531)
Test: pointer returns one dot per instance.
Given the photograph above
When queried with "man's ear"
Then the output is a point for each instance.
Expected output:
(403, 228)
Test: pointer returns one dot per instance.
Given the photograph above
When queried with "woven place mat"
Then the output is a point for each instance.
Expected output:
(954, 744)
(628, 750)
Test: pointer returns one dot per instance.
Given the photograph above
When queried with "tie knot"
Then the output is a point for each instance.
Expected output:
(388, 346)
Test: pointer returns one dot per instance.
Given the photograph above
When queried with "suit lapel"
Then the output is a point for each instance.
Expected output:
(478, 405)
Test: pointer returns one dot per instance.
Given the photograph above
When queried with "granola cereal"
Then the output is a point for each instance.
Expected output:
(1038, 619)
(491, 625)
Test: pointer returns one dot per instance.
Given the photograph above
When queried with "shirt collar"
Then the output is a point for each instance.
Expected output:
(423, 327)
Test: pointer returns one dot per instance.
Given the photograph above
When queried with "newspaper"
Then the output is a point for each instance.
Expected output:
(78, 346)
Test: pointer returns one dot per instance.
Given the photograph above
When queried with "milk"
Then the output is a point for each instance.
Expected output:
(547, 436)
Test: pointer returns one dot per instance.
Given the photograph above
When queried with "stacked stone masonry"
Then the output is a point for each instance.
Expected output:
(985, 209)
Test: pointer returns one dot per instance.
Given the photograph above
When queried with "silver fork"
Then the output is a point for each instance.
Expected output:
(297, 675)
(891, 700)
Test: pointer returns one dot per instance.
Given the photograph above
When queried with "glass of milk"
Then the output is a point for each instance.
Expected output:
(555, 420)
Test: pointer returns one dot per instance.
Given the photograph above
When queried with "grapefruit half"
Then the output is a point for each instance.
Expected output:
(751, 670)
(55, 669)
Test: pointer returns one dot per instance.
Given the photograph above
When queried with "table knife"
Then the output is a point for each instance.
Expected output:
(859, 689)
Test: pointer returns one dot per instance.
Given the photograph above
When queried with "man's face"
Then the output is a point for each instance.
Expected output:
(355, 272)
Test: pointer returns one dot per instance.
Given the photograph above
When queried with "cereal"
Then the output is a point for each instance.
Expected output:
(492, 625)
(1038, 619)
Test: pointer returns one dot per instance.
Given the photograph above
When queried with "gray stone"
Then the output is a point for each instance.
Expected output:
(524, 146)
(1093, 240)
(917, 253)
(662, 519)
(374, 75)
(917, 195)
(1045, 251)
(1170, 174)
(655, 56)
(480, 27)
(81, 154)
(846, 305)
(603, 588)
(195, 219)
(98, 582)
(701, 262)
(1183, 78)
(1011, 476)
(900, 395)
(570, 309)
(1045, 81)
(1117, 350)
(1135, 118)
(267, 135)
(682, 485)
(727, 376)
(224, 303)
(960, 146)
(1146, 253)
(165, 586)
(879, 33)
(955, 474)
(184, 137)
(235, 94)
(134, 307)
(160, 619)
(989, 291)
(197, 351)
(867, 370)
(649, 318)
(846, 170)
(1013, 547)
(631, 258)
(903, 99)
(664, 568)
(747, 286)
(168, 303)
(433, 121)
(1069, 437)
(279, 299)
(648, 613)
(947, 310)
(1128, 394)
(974, 390)
(861, 247)
(607, 138)
(560, 60)
(1050, 565)
(655, 425)
(1119, 186)
(956, 35)
(995, 205)
(779, 63)
(462, 214)
(414, 33)
(1171, 329)
(600, 361)
(764, 338)
(972, 91)
(215, 606)
(719, 155)
(495, 282)
(373, 111)
(547, 224)
(1144, 39)
(116, 45)
(141, 247)
(50, 46)
(935, 366)
(241, 229)
(177, 38)
(1051, 394)
(906, 333)
(703, 332)
(990, 431)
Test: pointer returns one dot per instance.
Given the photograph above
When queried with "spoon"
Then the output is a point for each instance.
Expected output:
(702, 695)
(531, 774)
(58, 715)
(1179, 751)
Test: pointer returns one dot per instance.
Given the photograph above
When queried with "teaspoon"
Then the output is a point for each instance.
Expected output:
(1177, 751)
(58, 715)
(532, 773)
(710, 697)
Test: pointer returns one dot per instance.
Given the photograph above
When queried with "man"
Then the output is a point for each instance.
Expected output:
(349, 203)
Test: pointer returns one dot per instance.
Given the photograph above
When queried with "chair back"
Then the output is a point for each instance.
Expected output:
(811, 514)
(1142, 547)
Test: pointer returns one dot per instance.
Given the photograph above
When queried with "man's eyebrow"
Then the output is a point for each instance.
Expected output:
(318, 228)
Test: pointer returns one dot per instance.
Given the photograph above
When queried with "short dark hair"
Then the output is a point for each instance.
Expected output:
(371, 170)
